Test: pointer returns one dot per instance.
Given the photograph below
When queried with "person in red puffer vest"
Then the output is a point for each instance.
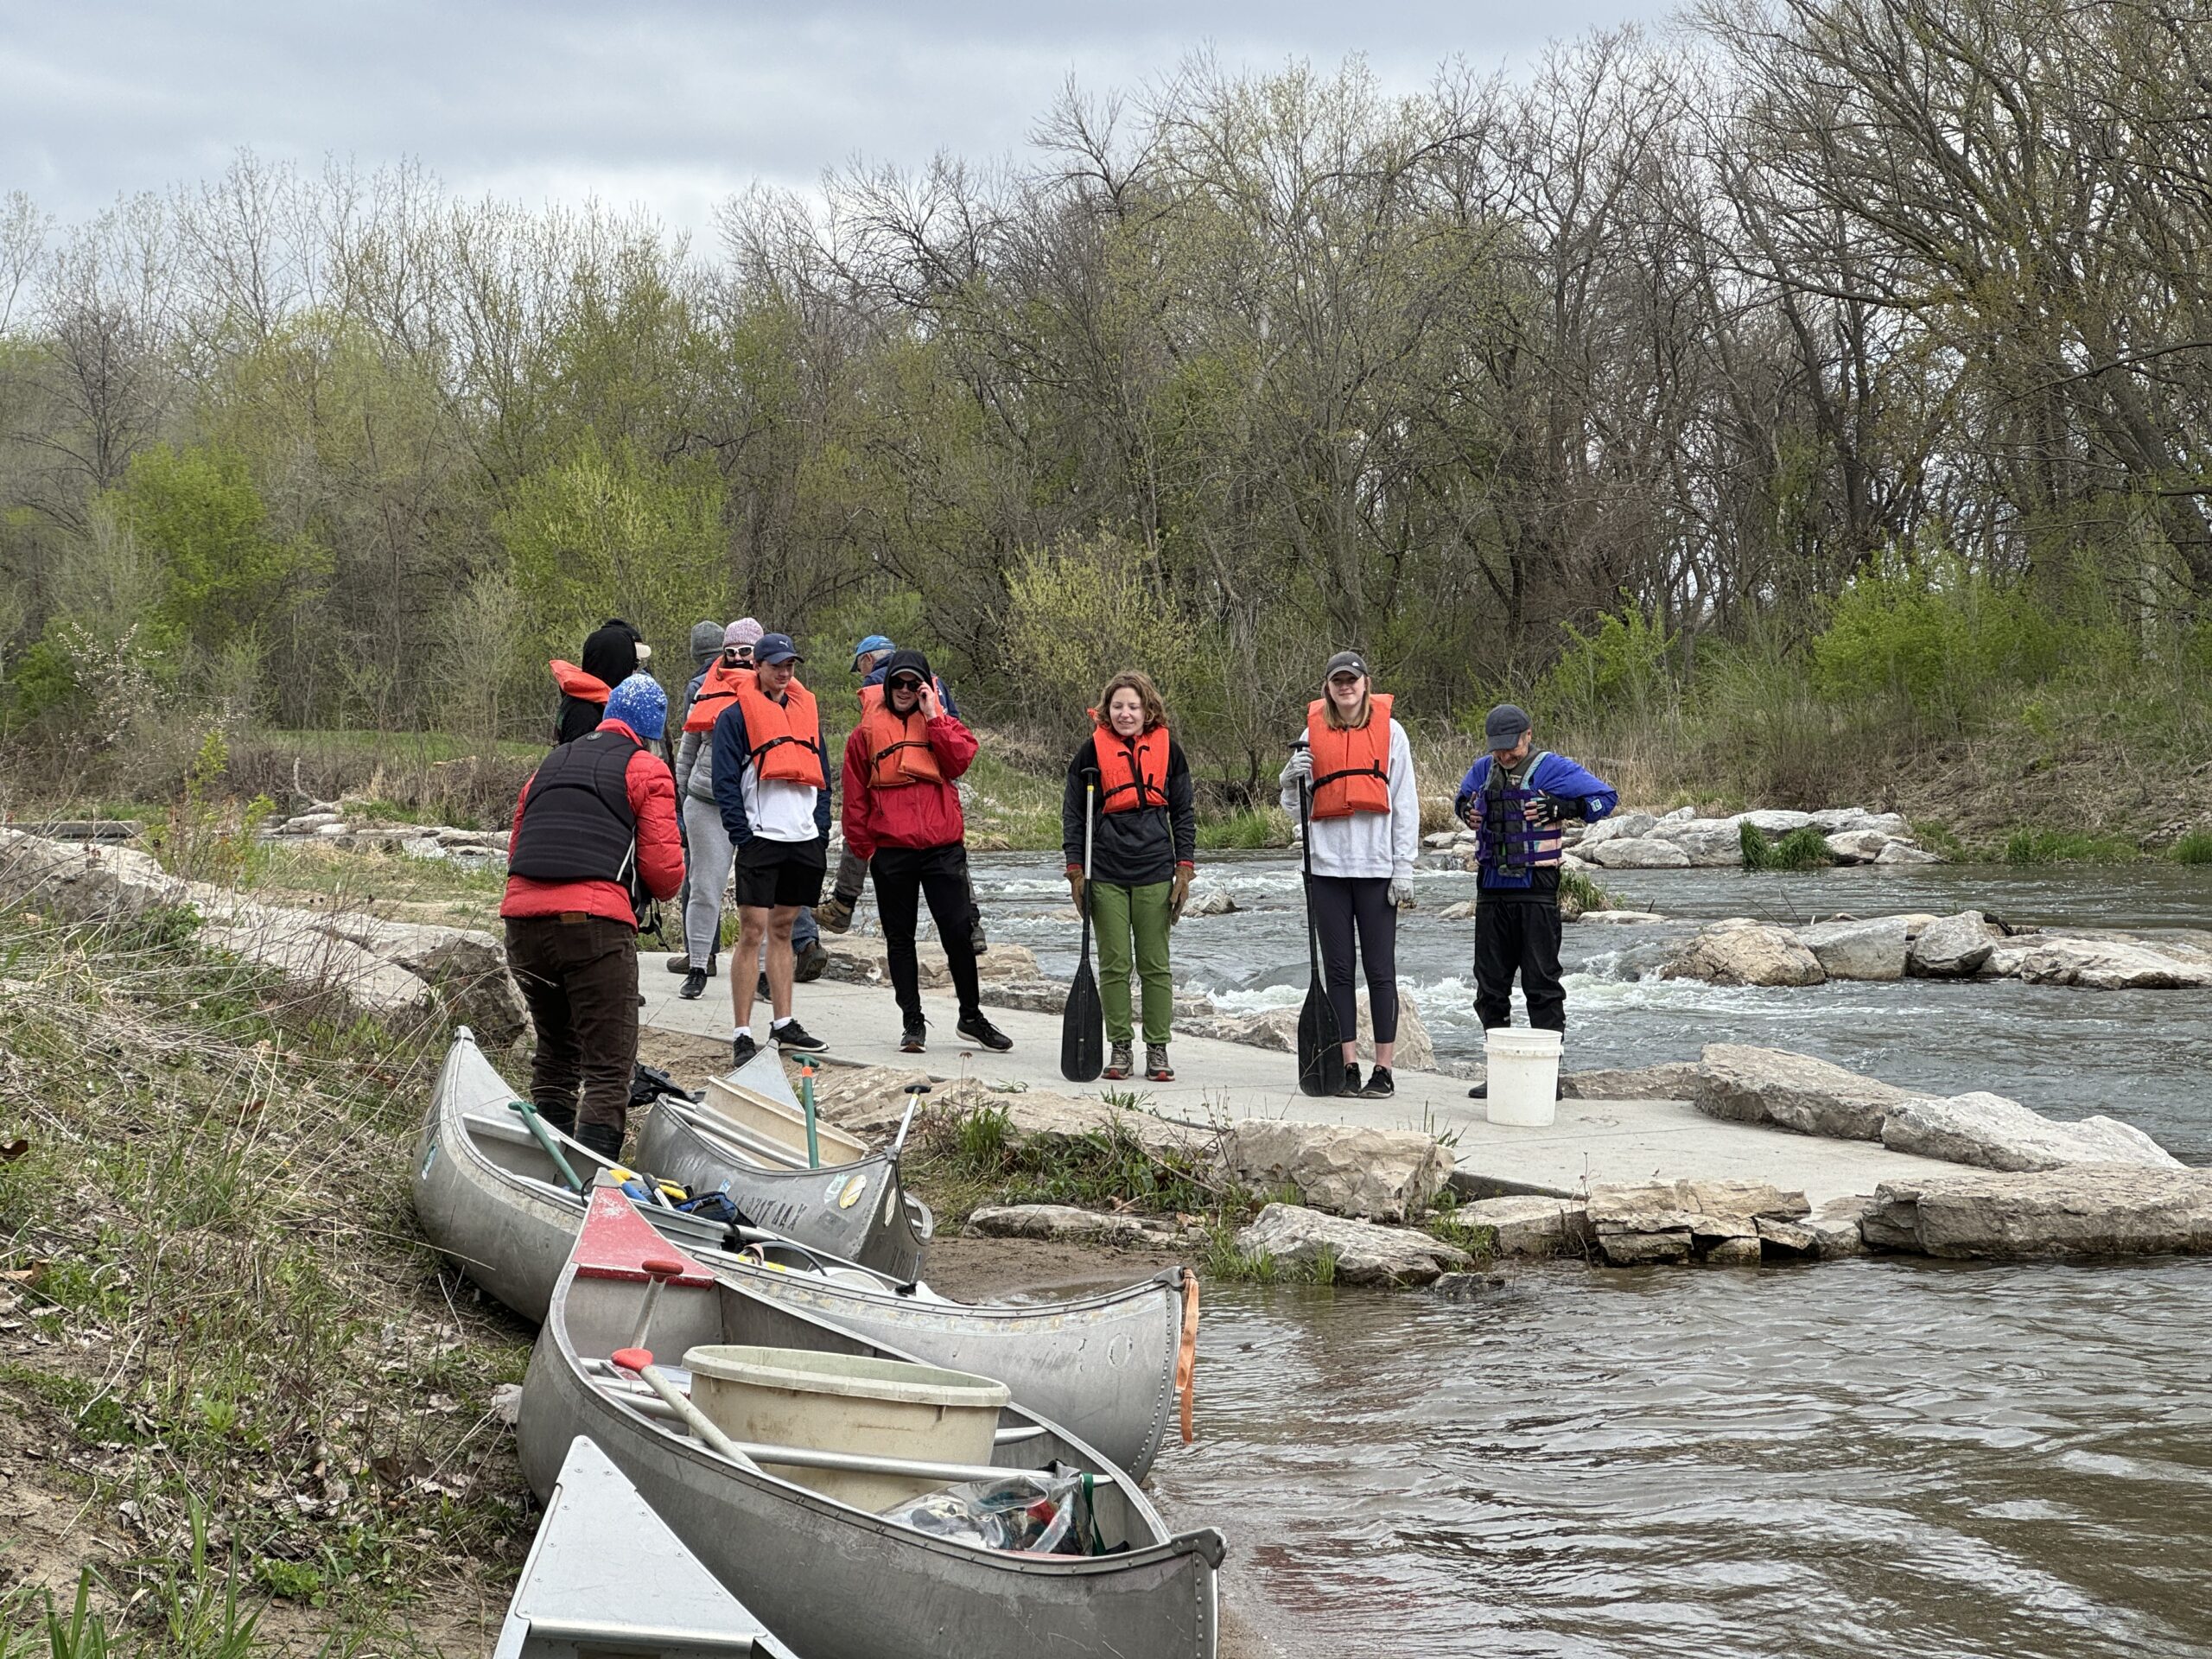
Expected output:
(595, 834)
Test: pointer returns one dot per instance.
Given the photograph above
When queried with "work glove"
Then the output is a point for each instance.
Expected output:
(1178, 894)
(1074, 885)
(1299, 765)
(1401, 893)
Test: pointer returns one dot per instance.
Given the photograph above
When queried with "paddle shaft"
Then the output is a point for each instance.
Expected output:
(1089, 825)
(1305, 861)
(1320, 1049)
(695, 1419)
(545, 1139)
(1082, 1042)
(806, 1104)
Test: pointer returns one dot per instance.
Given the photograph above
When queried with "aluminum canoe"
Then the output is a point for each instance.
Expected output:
(833, 1582)
(853, 1206)
(1112, 1366)
(606, 1576)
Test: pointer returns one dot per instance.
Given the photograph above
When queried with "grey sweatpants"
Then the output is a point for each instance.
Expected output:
(710, 857)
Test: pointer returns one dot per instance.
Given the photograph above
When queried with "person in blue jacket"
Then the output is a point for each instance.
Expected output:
(1516, 797)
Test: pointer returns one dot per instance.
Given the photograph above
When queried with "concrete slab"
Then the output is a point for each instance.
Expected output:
(1593, 1140)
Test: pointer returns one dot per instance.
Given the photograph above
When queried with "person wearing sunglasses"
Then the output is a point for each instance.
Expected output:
(901, 810)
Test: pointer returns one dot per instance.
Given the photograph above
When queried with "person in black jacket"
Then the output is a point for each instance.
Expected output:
(610, 657)
(1131, 777)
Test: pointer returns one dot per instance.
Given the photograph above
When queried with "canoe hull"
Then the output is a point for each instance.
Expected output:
(836, 1583)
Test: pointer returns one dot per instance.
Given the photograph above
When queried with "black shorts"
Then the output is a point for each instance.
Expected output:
(775, 872)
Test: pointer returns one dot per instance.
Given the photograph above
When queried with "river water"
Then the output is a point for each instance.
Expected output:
(1887, 1457)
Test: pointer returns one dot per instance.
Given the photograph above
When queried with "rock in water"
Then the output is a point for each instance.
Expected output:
(1462, 912)
(1994, 1133)
(1639, 853)
(1212, 902)
(2085, 1210)
(1629, 824)
(1740, 951)
(2105, 965)
(1380, 1174)
(1743, 1085)
(1858, 846)
(1365, 1254)
(1066, 1223)
(1871, 950)
(1951, 947)
(1529, 1224)
(1712, 843)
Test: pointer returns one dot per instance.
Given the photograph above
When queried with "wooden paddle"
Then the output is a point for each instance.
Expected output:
(1320, 1049)
(1083, 1021)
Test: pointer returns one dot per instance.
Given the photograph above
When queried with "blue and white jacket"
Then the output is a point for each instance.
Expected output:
(1515, 855)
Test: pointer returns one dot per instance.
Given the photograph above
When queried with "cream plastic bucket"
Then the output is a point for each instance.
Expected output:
(1523, 1075)
(848, 1402)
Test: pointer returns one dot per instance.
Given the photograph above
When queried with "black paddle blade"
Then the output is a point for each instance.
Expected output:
(1083, 1030)
(1320, 1049)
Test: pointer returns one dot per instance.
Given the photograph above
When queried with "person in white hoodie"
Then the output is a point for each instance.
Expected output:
(1363, 836)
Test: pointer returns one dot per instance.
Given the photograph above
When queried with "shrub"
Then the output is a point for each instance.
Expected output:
(2065, 847)
(1577, 886)
(2194, 848)
(1801, 850)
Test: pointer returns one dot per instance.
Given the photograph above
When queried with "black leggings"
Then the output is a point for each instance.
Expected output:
(1340, 904)
(904, 876)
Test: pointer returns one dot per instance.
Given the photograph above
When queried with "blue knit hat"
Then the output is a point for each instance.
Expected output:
(639, 703)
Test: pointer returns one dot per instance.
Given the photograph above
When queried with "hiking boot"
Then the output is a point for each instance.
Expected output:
(1120, 1062)
(807, 967)
(695, 983)
(742, 1048)
(678, 963)
(604, 1141)
(1156, 1068)
(915, 1038)
(834, 914)
(977, 1029)
(794, 1036)
(1378, 1085)
(1351, 1083)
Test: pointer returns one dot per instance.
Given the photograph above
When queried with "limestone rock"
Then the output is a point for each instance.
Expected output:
(869, 1099)
(1365, 1254)
(1857, 846)
(1441, 838)
(1834, 1227)
(1676, 1080)
(308, 823)
(1993, 1133)
(1644, 1249)
(1733, 1252)
(857, 960)
(1528, 1223)
(1639, 853)
(1212, 902)
(1951, 947)
(2106, 964)
(1462, 912)
(1066, 1223)
(2083, 1210)
(292, 943)
(1745, 1085)
(1774, 823)
(1872, 951)
(1378, 1174)
(1739, 951)
(1620, 825)
(1278, 1028)
(1903, 852)
(1622, 918)
(1706, 1209)
(82, 882)
(1468, 1286)
(1787, 1238)
(1711, 843)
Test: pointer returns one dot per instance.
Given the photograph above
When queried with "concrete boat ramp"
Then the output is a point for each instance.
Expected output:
(1592, 1141)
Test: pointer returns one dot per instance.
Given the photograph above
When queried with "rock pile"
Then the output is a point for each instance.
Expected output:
(1682, 840)
(1374, 1174)
(2087, 1210)
(1739, 951)
(1362, 1254)
(1724, 1223)
(384, 969)
(332, 824)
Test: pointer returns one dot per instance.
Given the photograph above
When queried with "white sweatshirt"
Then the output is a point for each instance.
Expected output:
(1368, 843)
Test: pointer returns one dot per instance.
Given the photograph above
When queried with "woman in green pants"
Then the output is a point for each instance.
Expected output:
(1131, 777)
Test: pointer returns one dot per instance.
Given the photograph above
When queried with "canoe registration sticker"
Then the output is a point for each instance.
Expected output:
(845, 1191)
(428, 1158)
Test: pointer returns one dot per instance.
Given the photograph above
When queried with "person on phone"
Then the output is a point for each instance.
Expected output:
(901, 805)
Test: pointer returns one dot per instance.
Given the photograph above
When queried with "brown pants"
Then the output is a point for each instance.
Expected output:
(579, 974)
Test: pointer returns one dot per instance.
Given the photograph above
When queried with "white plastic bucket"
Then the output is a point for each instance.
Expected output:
(1523, 1075)
(848, 1402)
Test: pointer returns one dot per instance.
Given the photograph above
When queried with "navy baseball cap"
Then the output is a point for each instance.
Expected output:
(869, 646)
(1502, 725)
(774, 648)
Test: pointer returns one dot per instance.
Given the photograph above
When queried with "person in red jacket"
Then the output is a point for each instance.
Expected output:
(902, 818)
(594, 832)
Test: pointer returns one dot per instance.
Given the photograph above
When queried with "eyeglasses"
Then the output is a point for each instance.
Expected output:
(905, 683)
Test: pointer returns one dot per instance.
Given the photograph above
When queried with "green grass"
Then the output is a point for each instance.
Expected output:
(2066, 846)
(218, 1296)
(1577, 886)
(973, 1157)
(2194, 848)
(1019, 808)
(1939, 837)
(1801, 850)
(1250, 830)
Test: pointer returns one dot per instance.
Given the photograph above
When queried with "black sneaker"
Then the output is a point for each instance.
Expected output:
(742, 1048)
(915, 1038)
(977, 1028)
(1378, 1085)
(792, 1035)
(1351, 1084)
(694, 982)
(1481, 1091)
(807, 966)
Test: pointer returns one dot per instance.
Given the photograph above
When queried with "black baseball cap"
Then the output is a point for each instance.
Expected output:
(1502, 725)
(773, 648)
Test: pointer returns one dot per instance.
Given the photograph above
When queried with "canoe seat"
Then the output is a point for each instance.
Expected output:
(617, 1241)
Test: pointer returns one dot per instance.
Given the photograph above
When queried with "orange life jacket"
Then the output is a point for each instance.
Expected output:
(716, 691)
(1351, 768)
(899, 751)
(575, 682)
(786, 736)
(1131, 773)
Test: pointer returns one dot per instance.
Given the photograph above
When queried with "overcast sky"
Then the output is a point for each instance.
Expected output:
(673, 103)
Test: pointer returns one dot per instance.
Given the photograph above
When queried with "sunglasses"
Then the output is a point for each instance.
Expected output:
(905, 683)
